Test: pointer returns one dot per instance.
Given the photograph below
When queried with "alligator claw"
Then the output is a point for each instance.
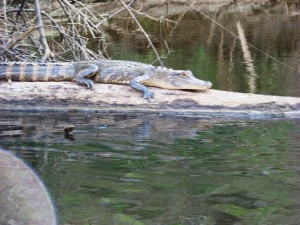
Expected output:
(86, 82)
(89, 83)
(139, 87)
(148, 95)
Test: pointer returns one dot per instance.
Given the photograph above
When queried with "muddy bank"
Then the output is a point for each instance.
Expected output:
(65, 96)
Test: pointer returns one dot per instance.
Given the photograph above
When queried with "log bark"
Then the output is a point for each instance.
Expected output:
(68, 96)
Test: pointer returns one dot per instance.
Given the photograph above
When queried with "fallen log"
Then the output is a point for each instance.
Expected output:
(67, 96)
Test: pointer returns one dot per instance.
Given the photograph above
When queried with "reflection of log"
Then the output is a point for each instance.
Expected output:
(64, 96)
(248, 59)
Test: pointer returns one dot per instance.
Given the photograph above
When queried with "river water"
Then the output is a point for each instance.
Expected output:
(154, 169)
(242, 47)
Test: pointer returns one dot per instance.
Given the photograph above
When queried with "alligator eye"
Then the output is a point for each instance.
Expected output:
(183, 74)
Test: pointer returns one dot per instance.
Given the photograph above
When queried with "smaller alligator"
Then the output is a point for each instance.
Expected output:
(137, 75)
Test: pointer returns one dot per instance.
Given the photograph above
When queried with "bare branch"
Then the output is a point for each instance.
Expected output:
(43, 40)
(22, 37)
(143, 31)
(64, 31)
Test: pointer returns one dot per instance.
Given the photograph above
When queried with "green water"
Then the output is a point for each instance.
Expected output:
(208, 43)
(152, 169)
(163, 170)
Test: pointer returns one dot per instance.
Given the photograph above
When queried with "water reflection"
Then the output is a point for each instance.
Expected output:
(259, 55)
(149, 169)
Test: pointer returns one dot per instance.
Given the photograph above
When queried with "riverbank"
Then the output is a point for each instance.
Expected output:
(65, 96)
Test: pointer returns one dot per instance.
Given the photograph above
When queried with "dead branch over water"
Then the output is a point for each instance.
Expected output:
(28, 32)
(32, 32)
(61, 30)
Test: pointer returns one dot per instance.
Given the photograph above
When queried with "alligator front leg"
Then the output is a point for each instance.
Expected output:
(136, 84)
(83, 77)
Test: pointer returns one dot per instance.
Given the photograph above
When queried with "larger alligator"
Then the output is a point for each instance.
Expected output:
(137, 75)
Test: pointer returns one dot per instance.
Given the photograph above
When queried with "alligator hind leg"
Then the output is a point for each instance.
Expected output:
(84, 76)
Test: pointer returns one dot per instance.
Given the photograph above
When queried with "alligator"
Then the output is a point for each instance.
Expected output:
(136, 75)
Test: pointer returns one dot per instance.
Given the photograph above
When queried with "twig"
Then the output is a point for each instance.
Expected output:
(113, 14)
(22, 37)
(143, 31)
(4, 14)
(43, 40)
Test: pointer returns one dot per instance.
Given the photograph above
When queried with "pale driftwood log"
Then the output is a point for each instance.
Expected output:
(68, 96)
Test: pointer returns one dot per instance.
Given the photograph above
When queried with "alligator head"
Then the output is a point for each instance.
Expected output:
(176, 79)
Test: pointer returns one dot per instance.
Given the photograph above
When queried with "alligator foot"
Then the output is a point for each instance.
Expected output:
(86, 82)
(84, 76)
(148, 95)
(139, 87)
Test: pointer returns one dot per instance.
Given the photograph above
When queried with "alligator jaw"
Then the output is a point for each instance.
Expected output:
(179, 80)
(195, 84)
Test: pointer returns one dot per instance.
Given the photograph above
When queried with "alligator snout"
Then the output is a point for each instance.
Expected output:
(208, 84)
